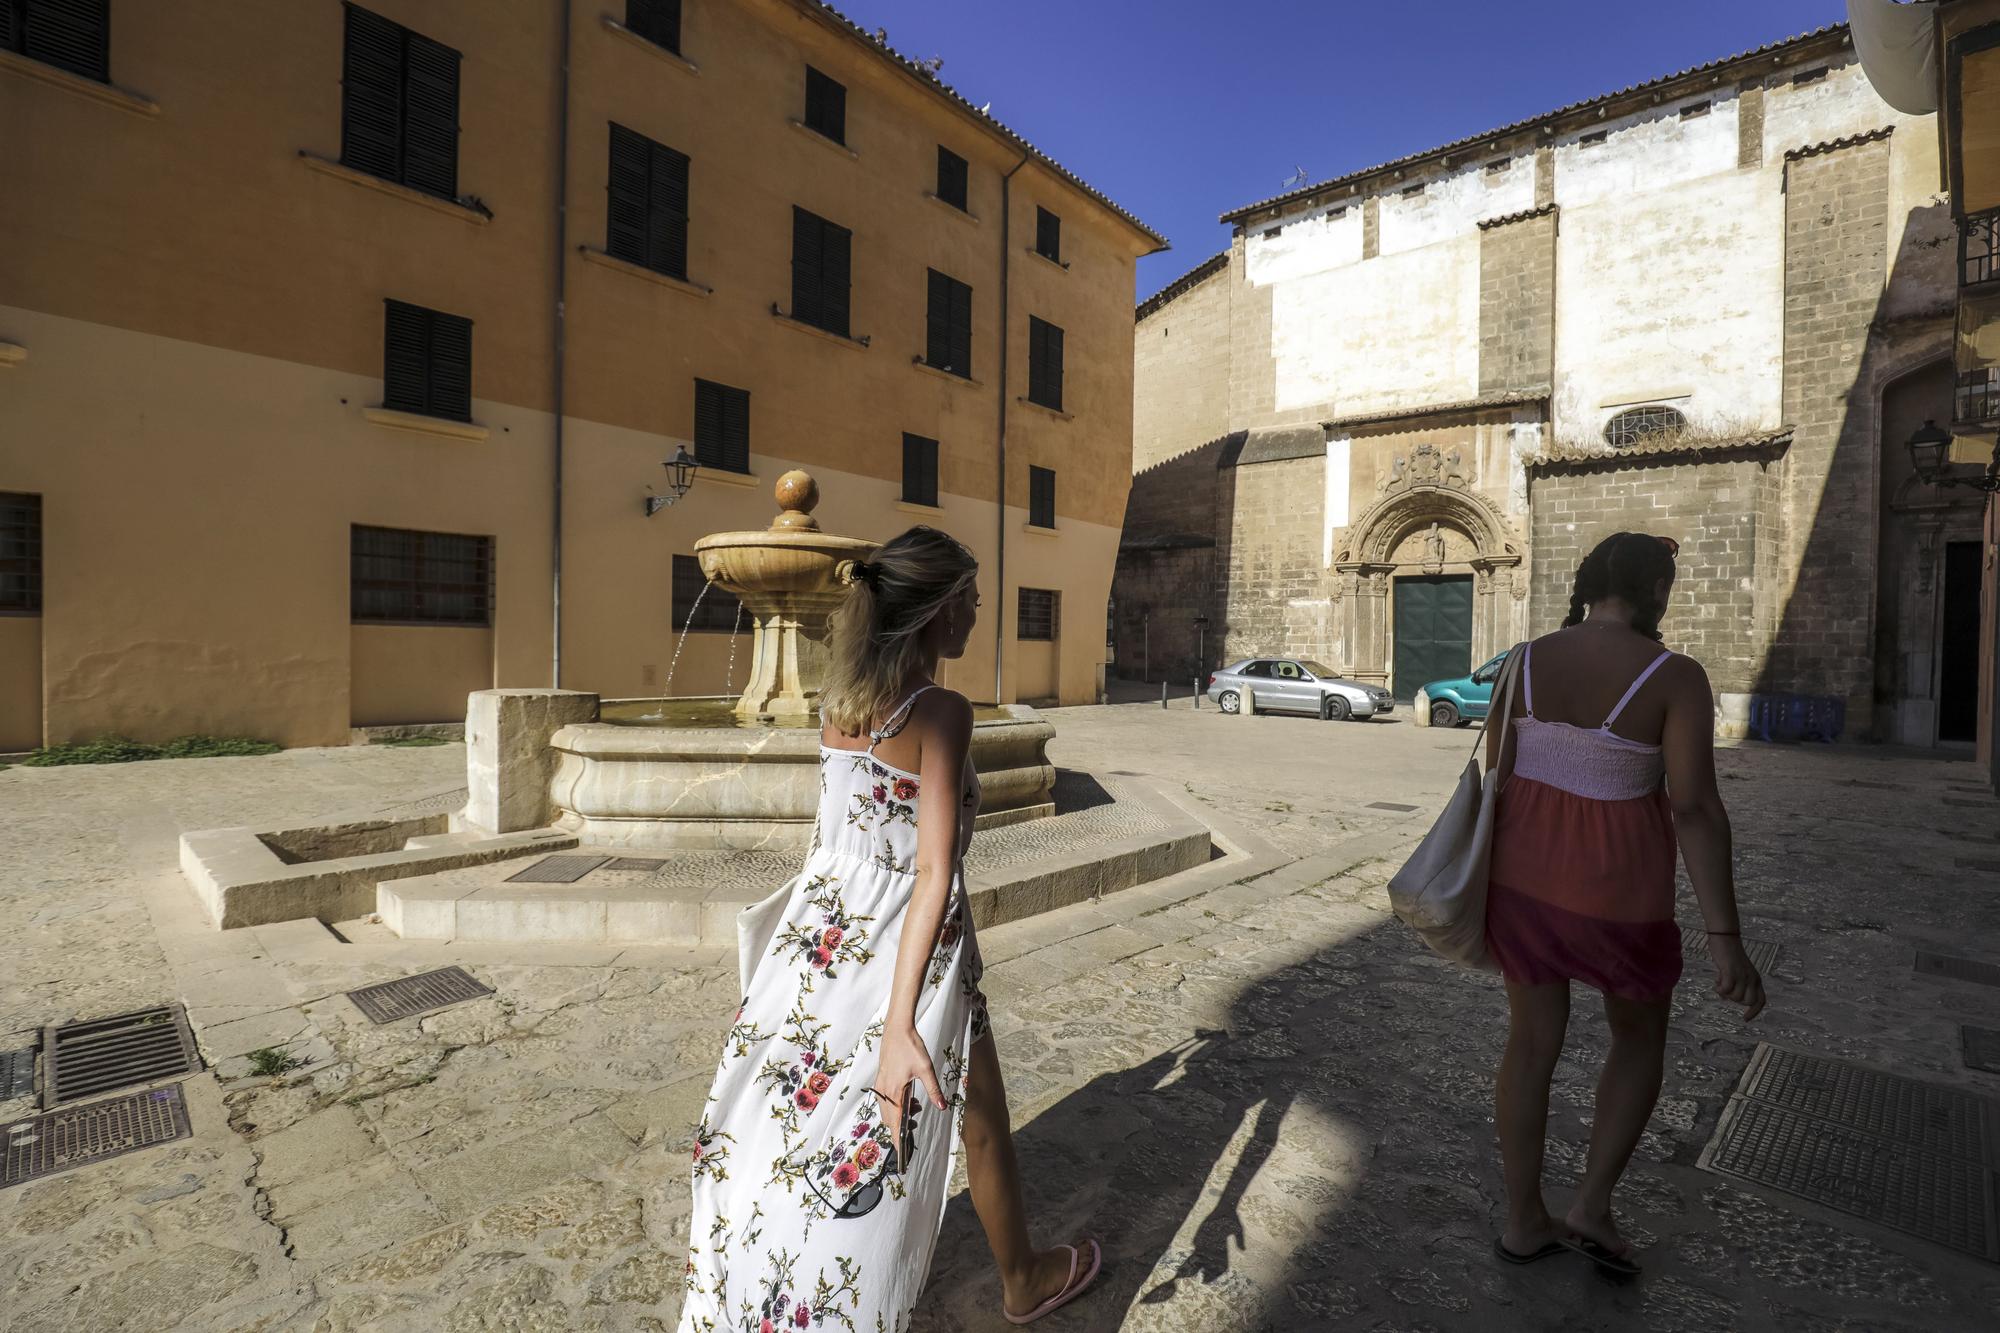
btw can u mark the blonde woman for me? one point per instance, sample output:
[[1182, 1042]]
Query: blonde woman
[[862, 1052]]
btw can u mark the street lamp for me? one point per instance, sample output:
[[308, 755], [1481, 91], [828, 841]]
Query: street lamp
[[1930, 447], [680, 473]]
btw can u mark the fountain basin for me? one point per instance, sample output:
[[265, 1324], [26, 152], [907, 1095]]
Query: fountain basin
[[679, 781]]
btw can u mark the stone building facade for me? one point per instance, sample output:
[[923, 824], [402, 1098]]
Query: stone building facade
[[1382, 429]]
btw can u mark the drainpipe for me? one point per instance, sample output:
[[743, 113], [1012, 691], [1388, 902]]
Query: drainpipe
[[1000, 556], [562, 265]]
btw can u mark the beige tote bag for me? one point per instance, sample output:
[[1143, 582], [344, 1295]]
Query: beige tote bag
[[1441, 890]]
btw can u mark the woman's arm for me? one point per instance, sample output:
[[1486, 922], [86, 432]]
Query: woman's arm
[[1702, 826], [944, 735]]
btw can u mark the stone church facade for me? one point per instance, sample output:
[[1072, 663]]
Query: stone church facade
[[1382, 429]]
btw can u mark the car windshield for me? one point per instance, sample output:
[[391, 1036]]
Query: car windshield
[[1322, 672]]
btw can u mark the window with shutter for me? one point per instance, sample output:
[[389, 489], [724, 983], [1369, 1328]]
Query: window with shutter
[[920, 470], [1038, 612], [427, 361], [648, 205], [1045, 364], [948, 325], [658, 21], [1048, 235], [402, 577], [821, 272], [20, 554], [722, 427], [73, 35], [826, 105], [1042, 497], [695, 610], [951, 181], [399, 105]]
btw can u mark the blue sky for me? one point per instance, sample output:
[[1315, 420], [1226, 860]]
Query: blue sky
[[1180, 109]]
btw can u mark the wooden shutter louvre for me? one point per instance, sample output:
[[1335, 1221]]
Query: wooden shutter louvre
[[951, 177], [10, 26], [70, 34], [1048, 234], [806, 264], [371, 101], [835, 277], [937, 322], [736, 430], [920, 469], [1052, 365], [658, 21], [406, 358], [1042, 497], [1045, 363], [708, 423], [627, 193], [430, 117], [451, 366], [826, 105], [667, 204], [961, 329]]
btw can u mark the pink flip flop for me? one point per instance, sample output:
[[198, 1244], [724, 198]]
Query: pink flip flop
[[1072, 1289]]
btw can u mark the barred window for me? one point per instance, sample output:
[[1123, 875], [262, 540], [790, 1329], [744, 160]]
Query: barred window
[[1040, 615], [695, 610], [401, 577], [20, 554], [1979, 249], [1635, 425]]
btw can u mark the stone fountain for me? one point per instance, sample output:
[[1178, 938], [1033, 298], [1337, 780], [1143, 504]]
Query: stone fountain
[[744, 772]]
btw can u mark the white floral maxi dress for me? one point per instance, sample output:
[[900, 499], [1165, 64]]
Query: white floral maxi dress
[[791, 1132]]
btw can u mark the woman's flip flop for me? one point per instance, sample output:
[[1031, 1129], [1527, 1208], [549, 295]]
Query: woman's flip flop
[[1606, 1259], [1073, 1288], [1510, 1256]]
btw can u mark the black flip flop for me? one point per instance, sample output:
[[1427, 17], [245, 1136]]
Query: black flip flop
[[1509, 1256], [1602, 1257]]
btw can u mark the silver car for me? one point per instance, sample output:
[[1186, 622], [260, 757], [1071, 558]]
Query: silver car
[[1297, 685]]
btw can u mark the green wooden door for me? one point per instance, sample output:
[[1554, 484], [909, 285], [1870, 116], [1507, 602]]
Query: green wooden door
[[1433, 631]]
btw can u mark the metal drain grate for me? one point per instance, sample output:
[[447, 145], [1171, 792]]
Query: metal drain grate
[[78, 1135], [1943, 1199], [558, 870], [1956, 969], [1916, 1157], [1763, 953], [17, 1074], [81, 1060], [635, 863], [1390, 805], [387, 1001], [1981, 1048]]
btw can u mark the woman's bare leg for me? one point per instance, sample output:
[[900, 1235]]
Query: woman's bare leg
[[1538, 1018], [1626, 1092], [1027, 1276]]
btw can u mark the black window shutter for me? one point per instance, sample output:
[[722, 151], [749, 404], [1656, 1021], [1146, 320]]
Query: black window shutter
[[658, 21], [937, 322], [371, 102], [430, 118], [1042, 497], [807, 260], [451, 366], [629, 195], [1044, 363], [406, 358], [951, 177], [736, 430], [920, 469], [826, 105], [836, 277], [1052, 360], [10, 26], [1048, 234], [961, 329], [721, 426], [666, 241], [70, 34]]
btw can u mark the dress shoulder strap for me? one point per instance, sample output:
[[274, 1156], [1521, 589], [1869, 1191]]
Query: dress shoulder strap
[[1644, 676], [1528, 676], [895, 721]]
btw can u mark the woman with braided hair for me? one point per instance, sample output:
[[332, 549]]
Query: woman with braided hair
[[1612, 768], [861, 1056]]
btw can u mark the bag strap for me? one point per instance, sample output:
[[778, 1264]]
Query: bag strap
[[1504, 688]]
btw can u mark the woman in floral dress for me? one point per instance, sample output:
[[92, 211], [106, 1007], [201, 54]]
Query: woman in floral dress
[[863, 1009]]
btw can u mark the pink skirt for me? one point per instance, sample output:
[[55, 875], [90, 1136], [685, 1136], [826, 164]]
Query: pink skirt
[[1583, 890]]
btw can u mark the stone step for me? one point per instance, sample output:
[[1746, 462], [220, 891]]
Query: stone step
[[1131, 837]]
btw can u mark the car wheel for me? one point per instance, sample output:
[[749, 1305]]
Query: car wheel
[[1444, 715], [1334, 708], [1228, 701]]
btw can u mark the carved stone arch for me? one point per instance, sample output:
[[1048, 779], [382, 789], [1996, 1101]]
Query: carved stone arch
[[1385, 523]]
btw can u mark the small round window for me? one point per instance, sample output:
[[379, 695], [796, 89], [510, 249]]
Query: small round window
[[1635, 425]]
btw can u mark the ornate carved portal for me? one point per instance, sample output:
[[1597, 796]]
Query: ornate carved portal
[[1427, 520]]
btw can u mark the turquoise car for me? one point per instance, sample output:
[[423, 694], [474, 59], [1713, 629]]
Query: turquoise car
[[1465, 699]]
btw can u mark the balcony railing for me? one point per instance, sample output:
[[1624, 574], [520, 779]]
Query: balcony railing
[[1979, 249], [1978, 398]]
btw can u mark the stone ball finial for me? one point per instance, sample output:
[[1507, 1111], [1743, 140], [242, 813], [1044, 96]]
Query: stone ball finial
[[797, 494]]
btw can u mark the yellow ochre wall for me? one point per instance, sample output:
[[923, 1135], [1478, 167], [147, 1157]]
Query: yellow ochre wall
[[200, 310]]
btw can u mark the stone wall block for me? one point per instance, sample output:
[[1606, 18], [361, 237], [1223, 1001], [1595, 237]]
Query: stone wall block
[[508, 762]]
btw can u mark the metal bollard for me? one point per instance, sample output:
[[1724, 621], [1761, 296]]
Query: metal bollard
[[1197, 694], [1163, 694]]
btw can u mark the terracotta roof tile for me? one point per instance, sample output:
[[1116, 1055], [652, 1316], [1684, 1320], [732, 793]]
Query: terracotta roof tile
[[1484, 402], [1660, 447]]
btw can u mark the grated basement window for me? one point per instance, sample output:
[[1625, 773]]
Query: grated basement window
[[658, 21], [73, 35], [647, 214], [920, 470], [20, 554], [399, 105], [1039, 615], [1635, 425], [400, 577], [719, 608]]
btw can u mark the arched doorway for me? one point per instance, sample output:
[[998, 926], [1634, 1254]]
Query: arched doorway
[[1432, 583]]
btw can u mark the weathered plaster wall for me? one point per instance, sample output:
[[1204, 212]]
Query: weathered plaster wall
[[1180, 382]]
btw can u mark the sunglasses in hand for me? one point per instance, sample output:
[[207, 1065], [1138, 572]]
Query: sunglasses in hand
[[864, 1198]]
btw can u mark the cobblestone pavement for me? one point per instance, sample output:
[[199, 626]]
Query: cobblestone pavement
[[1249, 1080]]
